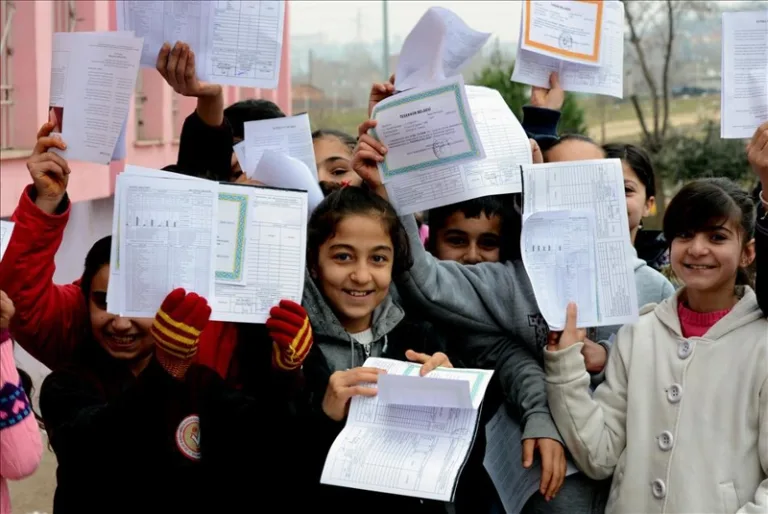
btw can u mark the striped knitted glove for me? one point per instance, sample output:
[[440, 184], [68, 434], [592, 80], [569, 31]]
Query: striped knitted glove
[[291, 333], [177, 328]]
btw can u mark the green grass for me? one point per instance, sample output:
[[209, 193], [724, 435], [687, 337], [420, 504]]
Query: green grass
[[624, 110]]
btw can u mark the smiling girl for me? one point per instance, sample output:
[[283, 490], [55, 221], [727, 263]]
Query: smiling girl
[[678, 431], [355, 246]]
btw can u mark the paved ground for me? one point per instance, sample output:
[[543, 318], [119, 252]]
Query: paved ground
[[35, 494]]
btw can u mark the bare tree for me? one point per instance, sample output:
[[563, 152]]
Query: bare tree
[[653, 23]]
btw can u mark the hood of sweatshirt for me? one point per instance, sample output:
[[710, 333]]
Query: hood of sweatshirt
[[745, 311], [331, 335]]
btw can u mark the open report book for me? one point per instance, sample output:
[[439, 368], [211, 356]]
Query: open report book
[[413, 438], [241, 247]]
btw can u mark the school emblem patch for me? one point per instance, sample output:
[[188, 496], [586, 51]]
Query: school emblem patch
[[188, 437]]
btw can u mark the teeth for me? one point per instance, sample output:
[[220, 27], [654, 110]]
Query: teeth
[[129, 339], [357, 293], [695, 266]]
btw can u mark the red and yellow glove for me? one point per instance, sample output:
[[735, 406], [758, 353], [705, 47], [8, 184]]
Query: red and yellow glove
[[291, 333], [177, 328]]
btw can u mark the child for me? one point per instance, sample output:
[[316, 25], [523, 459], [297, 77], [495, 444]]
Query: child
[[333, 156], [356, 245], [468, 232], [20, 446], [675, 437], [130, 403]]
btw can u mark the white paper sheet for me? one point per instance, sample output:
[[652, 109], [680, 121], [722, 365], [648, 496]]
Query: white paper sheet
[[607, 79], [236, 43], [273, 267], [6, 229], [566, 30], [426, 128], [596, 186], [280, 170], [423, 448], [558, 250], [159, 21], [504, 462], [167, 240], [93, 76], [244, 42], [506, 147], [744, 92], [290, 135], [438, 47]]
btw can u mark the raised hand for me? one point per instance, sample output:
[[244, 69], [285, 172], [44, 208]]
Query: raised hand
[[177, 327], [570, 334], [757, 154], [49, 171], [177, 66], [368, 153], [551, 98], [291, 333], [379, 92]]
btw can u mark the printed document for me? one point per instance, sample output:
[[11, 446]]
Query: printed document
[[438, 47], [240, 246], [504, 462], [565, 29], [291, 135], [744, 96], [263, 260], [426, 128], [236, 43], [607, 79], [6, 229], [506, 148], [576, 233], [93, 76], [418, 438]]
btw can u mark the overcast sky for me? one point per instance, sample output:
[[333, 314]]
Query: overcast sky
[[338, 20]]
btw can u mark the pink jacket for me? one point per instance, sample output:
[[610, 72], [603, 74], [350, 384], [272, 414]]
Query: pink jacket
[[20, 444]]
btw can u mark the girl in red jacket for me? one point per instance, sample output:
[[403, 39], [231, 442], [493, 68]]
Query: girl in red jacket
[[53, 320]]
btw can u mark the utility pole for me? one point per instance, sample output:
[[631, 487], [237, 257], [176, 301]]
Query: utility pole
[[385, 16]]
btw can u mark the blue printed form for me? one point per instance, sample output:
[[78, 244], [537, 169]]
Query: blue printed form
[[426, 128], [231, 237]]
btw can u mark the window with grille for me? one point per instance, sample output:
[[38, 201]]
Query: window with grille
[[7, 10], [64, 16], [140, 98]]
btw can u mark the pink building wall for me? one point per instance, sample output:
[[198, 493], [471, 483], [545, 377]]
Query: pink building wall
[[31, 36]]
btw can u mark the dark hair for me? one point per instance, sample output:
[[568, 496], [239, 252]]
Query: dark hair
[[349, 201], [488, 205], [709, 203], [253, 109], [98, 256], [549, 145], [345, 138], [637, 159]]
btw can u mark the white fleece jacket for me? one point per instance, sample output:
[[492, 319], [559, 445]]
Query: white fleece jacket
[[682, 424]]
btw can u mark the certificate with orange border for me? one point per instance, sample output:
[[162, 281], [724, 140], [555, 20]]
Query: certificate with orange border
[[569, 30]]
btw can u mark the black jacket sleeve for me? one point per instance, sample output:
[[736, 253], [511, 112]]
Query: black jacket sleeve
[[761, 247], [541, 124], [205, 151]]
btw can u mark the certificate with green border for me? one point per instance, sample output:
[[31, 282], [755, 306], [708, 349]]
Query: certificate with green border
[[235, 271], [456, 88], [474, 377]]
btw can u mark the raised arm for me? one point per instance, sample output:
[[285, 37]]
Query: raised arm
[[594, 428], [205, 148], [50, 319], [757, 153]]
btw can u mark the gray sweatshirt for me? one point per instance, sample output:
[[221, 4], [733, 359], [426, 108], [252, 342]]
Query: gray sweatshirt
[[494, 303]]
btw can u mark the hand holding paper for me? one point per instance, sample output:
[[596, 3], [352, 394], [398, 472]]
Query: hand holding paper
[[177, 66], [49, 171]]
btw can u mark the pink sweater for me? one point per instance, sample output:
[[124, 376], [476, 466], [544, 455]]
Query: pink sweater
[[696, 324], [20, 444]]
